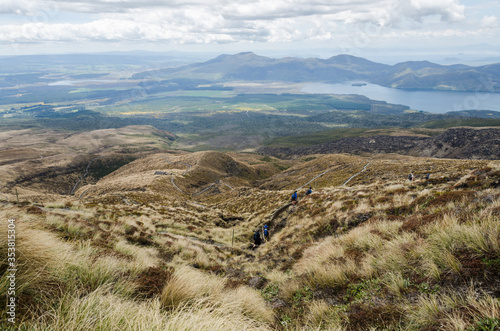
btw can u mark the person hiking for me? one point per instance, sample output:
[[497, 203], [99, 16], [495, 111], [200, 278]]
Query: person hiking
[[309, 191], [294, 197], [257, 240], [266, 232], [411, 177]]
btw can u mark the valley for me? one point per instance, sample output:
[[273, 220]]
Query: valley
[[131, 189]]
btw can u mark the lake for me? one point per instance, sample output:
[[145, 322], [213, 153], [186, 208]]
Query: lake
[[429, 101]]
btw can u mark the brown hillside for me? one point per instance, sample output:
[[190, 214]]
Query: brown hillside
[[165, 242], [48, 161]]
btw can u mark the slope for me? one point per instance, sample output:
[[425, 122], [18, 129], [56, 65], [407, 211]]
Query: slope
[[377, 252]]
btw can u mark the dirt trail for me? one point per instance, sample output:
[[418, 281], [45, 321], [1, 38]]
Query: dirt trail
[[280, 210], [172, 175], [347, 181], [321, 174]]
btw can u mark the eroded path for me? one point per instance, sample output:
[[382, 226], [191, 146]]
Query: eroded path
[[356, 174]]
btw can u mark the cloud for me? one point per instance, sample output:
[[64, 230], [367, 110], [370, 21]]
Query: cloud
[[19, 7], [219, 21], [489, 21], [449, 10]]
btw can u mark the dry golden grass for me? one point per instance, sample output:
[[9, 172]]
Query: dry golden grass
[[102, 311], [455, 311], [376, 254], [322, 316], [187, 285]]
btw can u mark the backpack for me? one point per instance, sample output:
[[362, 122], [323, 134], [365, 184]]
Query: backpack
[[256, 236]]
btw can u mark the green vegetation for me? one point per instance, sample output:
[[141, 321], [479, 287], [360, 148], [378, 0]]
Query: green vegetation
[[200, 110], [331, 135], [456, 122]]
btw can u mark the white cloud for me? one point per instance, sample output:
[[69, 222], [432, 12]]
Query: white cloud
[[449, 10], [223, 21], [489, 21]]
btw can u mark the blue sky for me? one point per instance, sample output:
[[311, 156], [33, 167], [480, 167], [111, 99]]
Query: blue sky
[[295, 27]]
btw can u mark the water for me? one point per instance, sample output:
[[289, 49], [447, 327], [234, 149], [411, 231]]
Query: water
[[429, 101]]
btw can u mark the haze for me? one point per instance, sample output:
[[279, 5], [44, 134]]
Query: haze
[[388, 31]]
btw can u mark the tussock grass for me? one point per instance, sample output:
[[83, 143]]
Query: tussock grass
[[326, 265], [247, 302], [189, 287], [322, 316], [144, 257], [481, 237], [452, 310], [395, 255], [376, 254], [188, 284], [396, 283], [37, 258], [102, 311], [332, 275]]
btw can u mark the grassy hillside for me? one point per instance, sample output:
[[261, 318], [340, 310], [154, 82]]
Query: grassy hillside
[[44, 161], [366, 250], [456, 122], [335, 134]]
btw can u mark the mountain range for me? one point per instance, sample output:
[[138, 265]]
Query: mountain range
[[423, 75]]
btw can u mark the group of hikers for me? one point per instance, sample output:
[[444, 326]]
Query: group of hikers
[[411, 176], [257, 237]]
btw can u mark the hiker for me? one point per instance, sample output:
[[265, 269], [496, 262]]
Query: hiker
[[266, 232], [427, 176], [411, 177], [294, 197], [257, 239], [309, 191]]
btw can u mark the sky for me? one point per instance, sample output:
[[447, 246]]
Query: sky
[[320, 28]]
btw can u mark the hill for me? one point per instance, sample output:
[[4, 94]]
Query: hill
[[460, 143], [44, 161], [183, 175], [165, 240], [409, 75]]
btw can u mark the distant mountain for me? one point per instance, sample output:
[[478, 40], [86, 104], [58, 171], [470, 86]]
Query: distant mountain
[[249, 66], [409, 75]]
